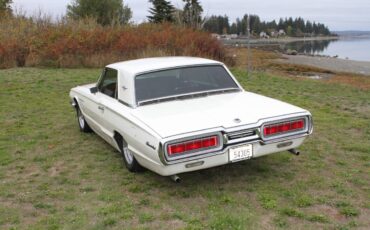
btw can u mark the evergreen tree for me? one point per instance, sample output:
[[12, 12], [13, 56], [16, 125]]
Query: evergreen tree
[[106, 12], [243, 24], [193, 13], [255, 24], [292, 27], [238, 26], [315, 29], [281, 24], [308, 27], [234, 28], [162, 11], [217, 24]]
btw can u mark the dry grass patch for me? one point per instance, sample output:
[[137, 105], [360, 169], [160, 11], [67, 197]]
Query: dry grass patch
[[358, 81]]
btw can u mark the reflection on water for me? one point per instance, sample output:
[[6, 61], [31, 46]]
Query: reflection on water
[[353, 48], [309, 47]]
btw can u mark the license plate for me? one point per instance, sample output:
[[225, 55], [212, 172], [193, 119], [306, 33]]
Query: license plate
[[243, 152]]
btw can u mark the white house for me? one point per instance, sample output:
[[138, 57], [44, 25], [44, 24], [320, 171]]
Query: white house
[[264, 35]]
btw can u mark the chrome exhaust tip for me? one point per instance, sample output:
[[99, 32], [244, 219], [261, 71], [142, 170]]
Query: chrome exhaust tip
[[294, 151], [176, 178]]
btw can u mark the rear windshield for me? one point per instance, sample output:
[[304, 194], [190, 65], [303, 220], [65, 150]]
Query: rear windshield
[[180, 81]]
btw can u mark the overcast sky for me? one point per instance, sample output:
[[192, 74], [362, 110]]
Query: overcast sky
[[337, 14]]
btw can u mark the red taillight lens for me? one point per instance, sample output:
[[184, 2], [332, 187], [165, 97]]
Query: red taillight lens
[[284, 127], [193, 145]]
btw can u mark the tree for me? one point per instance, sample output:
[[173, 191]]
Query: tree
[[193, 13], [217, 24], [178, 17], [289, 31], [5, 7], [281, 24], [255, 24], [309, 27], [162, 11], [233, 28], [106, 12], [296, 27]]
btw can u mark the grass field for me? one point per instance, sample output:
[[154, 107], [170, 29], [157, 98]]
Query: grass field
[[54, 177]]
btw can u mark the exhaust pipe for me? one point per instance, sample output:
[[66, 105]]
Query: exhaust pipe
[[176, 178], [294, 151]]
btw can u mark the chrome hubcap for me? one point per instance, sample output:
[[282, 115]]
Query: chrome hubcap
[[128, 155], [81, 119]]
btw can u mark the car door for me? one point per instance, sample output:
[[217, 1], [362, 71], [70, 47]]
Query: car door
[[107, 90]]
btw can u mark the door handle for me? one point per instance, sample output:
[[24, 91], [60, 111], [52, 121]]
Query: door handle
[[101, 108]]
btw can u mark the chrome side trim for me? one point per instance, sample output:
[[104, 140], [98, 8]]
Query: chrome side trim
[[124, 103], [150, 145]]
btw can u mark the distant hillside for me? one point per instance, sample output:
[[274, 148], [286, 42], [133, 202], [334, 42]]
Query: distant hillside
[[353, 33], [292, 27]]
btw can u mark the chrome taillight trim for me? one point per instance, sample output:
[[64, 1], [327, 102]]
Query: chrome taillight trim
[[306, 129], [192, 154], [257, 138]]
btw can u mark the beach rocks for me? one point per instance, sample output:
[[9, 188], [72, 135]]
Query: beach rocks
[[291, 52]]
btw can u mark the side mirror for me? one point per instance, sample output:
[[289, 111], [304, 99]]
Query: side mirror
[[94, 89]]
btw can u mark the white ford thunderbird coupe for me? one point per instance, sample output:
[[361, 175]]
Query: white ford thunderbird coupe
[[179, 114]]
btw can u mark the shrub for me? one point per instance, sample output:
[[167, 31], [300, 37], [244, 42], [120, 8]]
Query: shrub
[[85, 43]]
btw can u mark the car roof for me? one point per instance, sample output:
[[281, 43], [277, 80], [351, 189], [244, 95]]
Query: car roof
[[151, 64]]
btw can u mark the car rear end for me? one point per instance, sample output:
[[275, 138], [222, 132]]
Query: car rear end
[[214, 147]]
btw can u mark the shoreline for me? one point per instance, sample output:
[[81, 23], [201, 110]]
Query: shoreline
[[329, 63], [243, 41]]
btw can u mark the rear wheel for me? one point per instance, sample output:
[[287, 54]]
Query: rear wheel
[[128, 157], [84, 127]]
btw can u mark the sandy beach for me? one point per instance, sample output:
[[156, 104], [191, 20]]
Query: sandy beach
[[329, 63]]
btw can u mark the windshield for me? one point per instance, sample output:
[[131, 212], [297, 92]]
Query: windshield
[[182, 81]]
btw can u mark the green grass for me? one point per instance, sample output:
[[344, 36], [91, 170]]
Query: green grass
[[54, 177]]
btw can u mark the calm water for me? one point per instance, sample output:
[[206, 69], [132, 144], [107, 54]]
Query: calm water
[[351, 48]]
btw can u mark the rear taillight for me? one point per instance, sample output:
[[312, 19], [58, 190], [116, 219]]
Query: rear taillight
[[192, 146], [284, 127]]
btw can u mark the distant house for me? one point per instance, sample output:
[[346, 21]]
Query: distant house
[[217, 36], [264, 35], [282, 33], [274, 34], [225, 36]]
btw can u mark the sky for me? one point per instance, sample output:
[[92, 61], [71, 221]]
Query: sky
[[337, 14]]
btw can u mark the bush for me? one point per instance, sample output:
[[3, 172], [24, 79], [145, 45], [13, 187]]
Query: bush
[[85, 43]]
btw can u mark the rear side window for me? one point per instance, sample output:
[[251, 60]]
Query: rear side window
[[108, 84]]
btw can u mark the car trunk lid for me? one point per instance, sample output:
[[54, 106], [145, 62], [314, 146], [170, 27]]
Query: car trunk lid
[[224, 110]]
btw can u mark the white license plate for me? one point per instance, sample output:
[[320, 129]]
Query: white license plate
[[239, 153]]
